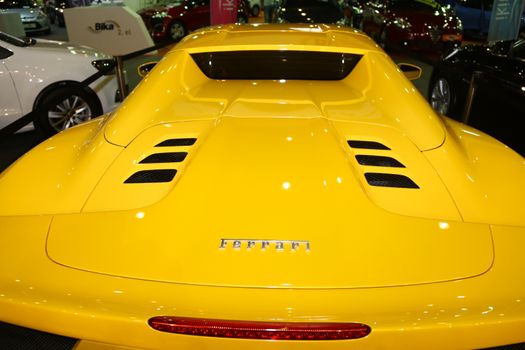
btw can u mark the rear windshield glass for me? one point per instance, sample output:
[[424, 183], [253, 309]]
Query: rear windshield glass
[[297, 65]]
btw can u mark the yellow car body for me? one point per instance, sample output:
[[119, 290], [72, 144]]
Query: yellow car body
[[282, 201]]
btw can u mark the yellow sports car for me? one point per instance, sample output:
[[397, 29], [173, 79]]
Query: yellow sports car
[[266, 187]]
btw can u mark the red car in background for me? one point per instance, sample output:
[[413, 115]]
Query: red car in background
[[416, 24], [175, 20]]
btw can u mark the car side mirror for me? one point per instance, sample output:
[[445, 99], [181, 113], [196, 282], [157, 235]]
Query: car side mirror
[[411, 71], [5, 53], [145, 68]]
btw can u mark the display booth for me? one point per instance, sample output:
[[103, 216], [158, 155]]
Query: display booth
[[11, 23], [116, 30]]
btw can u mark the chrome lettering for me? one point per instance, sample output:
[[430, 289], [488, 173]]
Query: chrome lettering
[[263, 244]]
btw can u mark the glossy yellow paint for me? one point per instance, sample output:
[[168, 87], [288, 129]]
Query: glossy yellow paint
[[469, 313], [178, 90], [484, 177], [273, 179], [85, 255], [58, 175]]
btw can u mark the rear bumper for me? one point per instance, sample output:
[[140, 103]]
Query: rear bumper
[[36, 26], [474, 313]]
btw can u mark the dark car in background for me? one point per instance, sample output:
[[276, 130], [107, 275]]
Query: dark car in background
[[415, 24], [311, 11], [475, 16], [498, 106], [175, 20]]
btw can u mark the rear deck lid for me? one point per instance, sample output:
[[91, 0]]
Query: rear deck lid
[[276, 203]]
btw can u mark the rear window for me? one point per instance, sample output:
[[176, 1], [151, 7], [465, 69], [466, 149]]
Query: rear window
[[295, 65]]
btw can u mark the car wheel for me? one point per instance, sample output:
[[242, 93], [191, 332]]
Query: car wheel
[[176, 31], [242, 20], [255, 10], [441, 95], [65, 106]]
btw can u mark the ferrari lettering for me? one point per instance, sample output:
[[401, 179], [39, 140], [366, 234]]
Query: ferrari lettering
[[263, 244]]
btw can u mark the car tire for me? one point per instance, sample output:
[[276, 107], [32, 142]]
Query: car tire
[[176, 31], [256, 10], [242, 20], [55, 113], [442, 94]]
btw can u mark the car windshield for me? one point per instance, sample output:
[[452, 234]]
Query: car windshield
[[309, 3], [13, 40], [17, 4]]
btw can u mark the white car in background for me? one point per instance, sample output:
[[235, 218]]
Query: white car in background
[[33, 18], [34, 72]]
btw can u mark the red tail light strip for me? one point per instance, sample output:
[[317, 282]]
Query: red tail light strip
[[259, 330]]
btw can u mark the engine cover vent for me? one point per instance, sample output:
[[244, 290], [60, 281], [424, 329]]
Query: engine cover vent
[[367, 144], [390, 180], [378, 161], [151, 176], [169, 157], [177, 142]]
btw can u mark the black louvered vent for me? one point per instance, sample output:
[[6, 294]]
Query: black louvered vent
[[381, 179], [151, 176], [378, 161], [19, 338], [171, 157], [390, 180], [367, 144], [161, 175], [177, 142]]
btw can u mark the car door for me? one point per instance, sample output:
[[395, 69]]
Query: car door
[[198, 14], [10, 108], [499, 104]]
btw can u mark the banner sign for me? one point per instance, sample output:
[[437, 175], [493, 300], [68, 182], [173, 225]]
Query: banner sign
[[505, 20], [223, 11]]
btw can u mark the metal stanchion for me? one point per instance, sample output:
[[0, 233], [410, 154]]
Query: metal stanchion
[[121, 79], [476, 75]]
